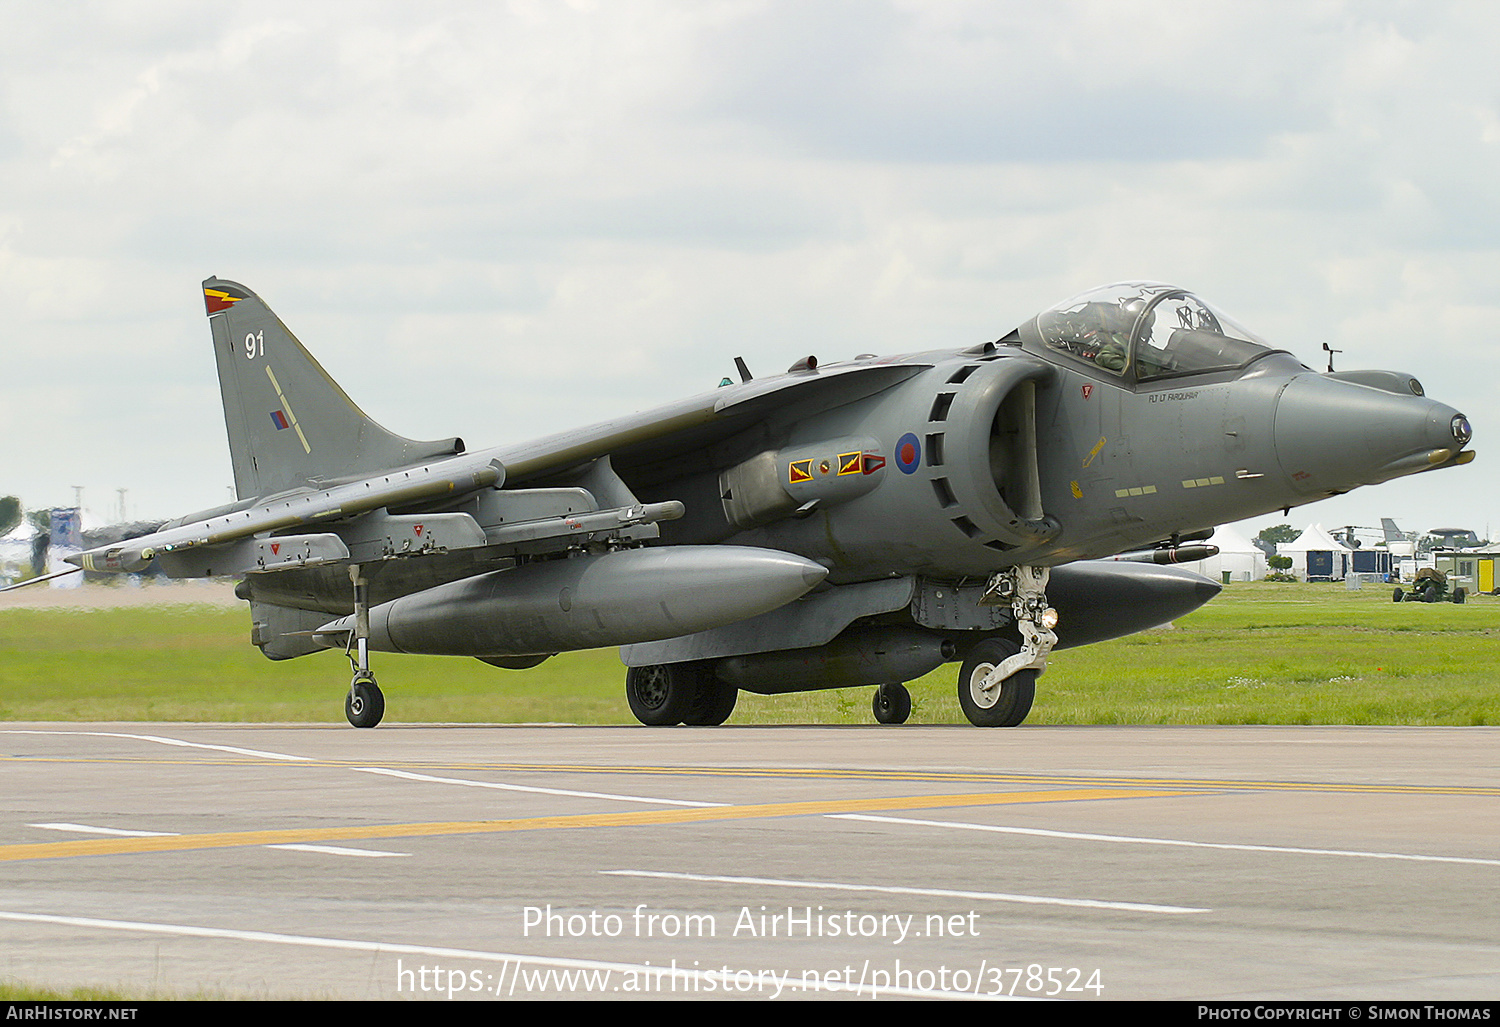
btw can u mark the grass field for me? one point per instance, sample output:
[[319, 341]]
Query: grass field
[[1261, 653]]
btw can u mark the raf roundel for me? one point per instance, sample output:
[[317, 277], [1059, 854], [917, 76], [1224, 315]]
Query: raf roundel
[[908, 453]]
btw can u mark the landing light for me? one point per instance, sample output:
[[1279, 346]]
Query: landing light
[[1049, 618]]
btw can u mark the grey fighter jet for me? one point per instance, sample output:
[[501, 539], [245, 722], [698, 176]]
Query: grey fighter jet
[[856, 523]]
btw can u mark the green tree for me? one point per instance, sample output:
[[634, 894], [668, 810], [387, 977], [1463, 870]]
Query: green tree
[[1279, 533], [10, 514]]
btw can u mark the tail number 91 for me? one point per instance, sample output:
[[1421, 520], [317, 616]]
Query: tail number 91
[[255, 345]]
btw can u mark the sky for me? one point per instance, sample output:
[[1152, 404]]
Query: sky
[[499, 220]]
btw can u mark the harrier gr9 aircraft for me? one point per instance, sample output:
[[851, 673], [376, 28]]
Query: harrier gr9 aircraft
[[857, 523]]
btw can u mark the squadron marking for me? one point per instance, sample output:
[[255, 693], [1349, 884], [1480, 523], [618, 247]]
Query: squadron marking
[[288, 408]]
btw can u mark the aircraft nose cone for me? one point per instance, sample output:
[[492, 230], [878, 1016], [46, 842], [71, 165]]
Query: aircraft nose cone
[[1332, 435]]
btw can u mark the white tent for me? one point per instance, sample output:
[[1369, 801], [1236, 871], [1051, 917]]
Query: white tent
[[1316, 555], [1238, 556]]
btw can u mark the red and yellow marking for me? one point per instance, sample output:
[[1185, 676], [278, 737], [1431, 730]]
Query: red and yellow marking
[[217, 299]]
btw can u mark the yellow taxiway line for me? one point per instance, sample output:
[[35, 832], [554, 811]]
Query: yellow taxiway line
[[809, 774], [634, 818]]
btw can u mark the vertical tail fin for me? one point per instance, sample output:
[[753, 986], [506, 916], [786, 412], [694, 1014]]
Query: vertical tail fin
[[289, 423]]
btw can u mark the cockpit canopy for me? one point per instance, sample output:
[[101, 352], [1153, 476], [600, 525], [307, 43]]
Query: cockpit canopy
[[1145, 331]]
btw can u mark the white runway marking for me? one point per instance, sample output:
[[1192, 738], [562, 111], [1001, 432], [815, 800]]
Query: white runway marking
[[328, 850], [166, 741], [1034, 900], [336, 850], [376, 770], [1128, 839], [386, 772], [86, 829], [408, 775], [511, 962]]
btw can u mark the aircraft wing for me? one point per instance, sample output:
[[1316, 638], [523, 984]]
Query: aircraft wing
[[446, 478], [313, 511], [701, 421]]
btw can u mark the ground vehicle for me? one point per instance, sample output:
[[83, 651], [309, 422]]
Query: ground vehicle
[[1430, 586]]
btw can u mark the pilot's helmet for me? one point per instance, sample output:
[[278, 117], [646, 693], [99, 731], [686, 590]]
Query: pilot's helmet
[[1130, 310], [1112, 322]]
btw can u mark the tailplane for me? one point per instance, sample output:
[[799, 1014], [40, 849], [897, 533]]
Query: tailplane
[[289, 423]]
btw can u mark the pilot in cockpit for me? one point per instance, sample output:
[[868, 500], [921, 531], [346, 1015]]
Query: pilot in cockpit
[[1097, 331]]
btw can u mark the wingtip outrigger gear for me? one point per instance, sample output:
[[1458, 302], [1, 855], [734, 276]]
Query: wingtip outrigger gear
[[365, 705]]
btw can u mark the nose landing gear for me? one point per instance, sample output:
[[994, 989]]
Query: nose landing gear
[[998, 681]]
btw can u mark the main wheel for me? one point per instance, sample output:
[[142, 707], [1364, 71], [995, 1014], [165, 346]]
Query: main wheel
[[1397, 597], [365, 704], [1460, 594], [1002, 706], [663, 694], [891, 703], [714, 703]]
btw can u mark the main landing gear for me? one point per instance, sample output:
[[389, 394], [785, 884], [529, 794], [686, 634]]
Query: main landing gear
[[996, 685], [679, 693], [891, 703], [365, 704]]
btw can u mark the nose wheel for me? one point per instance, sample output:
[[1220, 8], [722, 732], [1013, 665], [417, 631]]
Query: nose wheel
[[987, 698]]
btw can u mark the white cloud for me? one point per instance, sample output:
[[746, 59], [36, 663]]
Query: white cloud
[[502, 220]]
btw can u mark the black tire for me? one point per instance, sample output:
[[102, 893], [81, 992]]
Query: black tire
[[365, 703], [1431, 594], [1397, 597], [662, 694], [1460, 594], [891, 703], [1010, 706], [714, 702]]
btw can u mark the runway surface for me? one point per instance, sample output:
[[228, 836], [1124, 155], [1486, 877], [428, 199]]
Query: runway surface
[[429, 862]]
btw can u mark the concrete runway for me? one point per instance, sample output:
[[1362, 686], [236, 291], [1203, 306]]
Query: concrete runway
[[765, 862]]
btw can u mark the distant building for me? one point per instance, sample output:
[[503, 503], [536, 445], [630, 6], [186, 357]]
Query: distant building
[[1473, 570]]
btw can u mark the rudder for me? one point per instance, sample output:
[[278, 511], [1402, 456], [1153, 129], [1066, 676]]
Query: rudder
[[290, 425]]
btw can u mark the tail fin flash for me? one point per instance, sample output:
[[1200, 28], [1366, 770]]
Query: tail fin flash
[[289, 423]]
